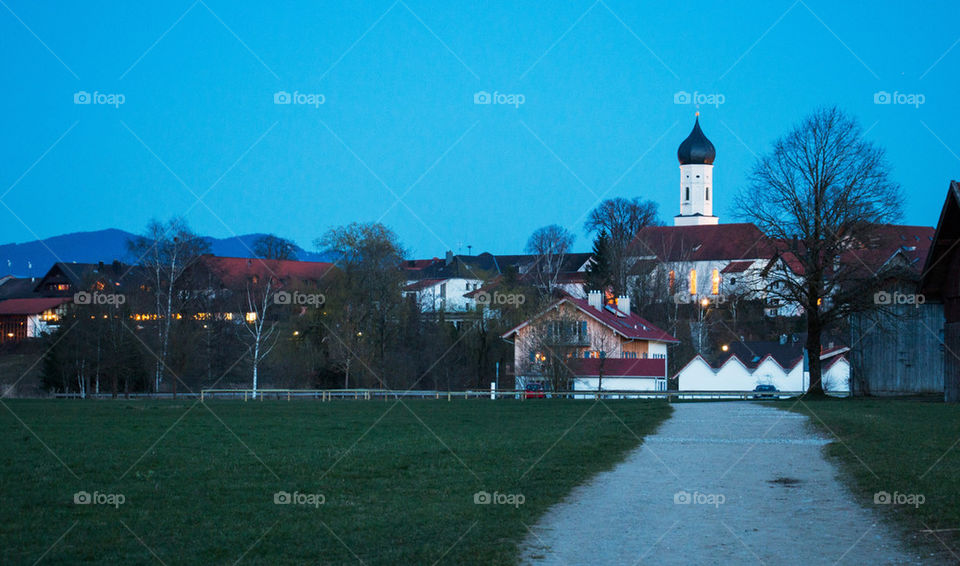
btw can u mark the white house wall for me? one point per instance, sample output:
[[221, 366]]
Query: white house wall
[[734, 376]]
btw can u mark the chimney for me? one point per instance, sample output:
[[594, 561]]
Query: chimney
[[623, 304], [595, 298], [449, 258]]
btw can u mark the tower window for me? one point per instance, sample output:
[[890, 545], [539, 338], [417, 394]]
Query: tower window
[[715, 282], [708, 193], [698, 176], [693, 281], [688, 193]]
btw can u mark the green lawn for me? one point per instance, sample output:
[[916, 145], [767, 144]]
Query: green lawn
[[198, 482], [906, 447]]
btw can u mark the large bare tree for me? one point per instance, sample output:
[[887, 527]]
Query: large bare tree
[[165, 252], [550, 244], [620, 219], [821, 195]]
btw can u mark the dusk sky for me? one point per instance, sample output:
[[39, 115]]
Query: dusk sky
[[398, 137]]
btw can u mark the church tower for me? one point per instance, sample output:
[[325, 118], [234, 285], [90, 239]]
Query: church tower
[[696, 155]]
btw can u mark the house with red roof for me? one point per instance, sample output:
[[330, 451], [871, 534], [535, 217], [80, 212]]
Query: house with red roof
[[590, 344]]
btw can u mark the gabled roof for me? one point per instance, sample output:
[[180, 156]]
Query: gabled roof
[[937, 264], [628, 325], [702, 243], [30, 306], [236, 271]]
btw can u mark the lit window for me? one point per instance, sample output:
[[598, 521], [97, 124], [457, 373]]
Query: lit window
[[715, 282], [693, 281], [251, 317], [672, 278]]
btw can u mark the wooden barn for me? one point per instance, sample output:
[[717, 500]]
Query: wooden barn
[[941, 282]]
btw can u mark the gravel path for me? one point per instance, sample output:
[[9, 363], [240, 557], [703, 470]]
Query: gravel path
[[757, 490]]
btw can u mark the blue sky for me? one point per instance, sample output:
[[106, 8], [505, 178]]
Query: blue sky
[[398, 137]]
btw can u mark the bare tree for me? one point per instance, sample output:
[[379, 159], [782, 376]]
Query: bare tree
[[274, 247], [166, 252], [821, 195], [550, 244], [260, 296], [621, 219]]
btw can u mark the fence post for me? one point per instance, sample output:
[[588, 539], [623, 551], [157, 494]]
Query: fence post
[[288, 394], [244, 396], [201, 395]]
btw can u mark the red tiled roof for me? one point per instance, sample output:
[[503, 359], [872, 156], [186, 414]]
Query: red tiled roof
[[737, 267], [30, 306], [619, 367], [702, 243], [630, 325], [234, 271]]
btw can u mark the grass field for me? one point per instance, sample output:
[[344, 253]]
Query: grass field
[[900, 447], [378, 482]]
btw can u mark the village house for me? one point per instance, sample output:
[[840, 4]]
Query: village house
[[590, 344]]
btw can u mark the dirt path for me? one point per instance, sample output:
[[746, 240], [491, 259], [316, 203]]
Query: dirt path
[[752, 487]]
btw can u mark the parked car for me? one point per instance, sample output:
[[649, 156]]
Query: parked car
[[765, 392], [534, 391]]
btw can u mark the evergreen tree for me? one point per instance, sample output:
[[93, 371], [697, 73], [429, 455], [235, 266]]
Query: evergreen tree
[[599, 274]]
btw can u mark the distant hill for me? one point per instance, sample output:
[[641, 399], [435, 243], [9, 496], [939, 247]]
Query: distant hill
[[33, 259]]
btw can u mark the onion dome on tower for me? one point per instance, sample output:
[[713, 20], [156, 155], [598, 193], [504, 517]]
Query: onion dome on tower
[[696, 149]]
